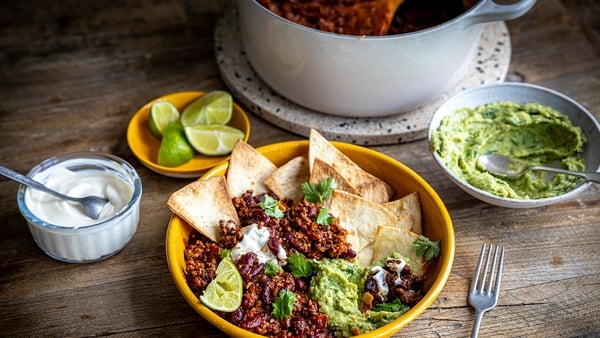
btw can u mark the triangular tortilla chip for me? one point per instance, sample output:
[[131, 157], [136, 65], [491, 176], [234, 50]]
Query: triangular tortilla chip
[[322, 170], [319, 147], [202, 204], [368, 185], [360, 217], [411, 205], [405, 221], [248, 169], [365, 257], [285, 182], [393, 239]]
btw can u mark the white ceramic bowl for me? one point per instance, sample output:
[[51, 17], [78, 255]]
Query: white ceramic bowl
[[522, 93], [75, 239], [364, 76]]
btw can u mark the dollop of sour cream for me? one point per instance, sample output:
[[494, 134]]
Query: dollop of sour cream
[[77, 183], [379, 277], [255, 240]]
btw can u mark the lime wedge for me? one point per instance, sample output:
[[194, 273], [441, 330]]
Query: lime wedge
[[174, 148], [161, 114], [225, 292], [213, 139], [215, 107]]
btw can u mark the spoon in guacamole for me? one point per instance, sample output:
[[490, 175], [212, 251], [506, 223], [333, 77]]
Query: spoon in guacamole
[[511, 167]]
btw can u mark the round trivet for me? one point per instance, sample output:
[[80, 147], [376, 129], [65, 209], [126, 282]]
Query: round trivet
[[489, 65]]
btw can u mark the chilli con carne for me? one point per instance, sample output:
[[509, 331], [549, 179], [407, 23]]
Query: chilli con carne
[[364, 17], [297, 233]]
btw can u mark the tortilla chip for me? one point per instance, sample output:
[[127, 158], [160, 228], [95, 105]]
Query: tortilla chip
[[360, 217], [285, 182], [202, 204], [248, 169], [405, 221], [366, 184], [408, 205], [364, 258], [393, 239], [322, 170], [319, 147]]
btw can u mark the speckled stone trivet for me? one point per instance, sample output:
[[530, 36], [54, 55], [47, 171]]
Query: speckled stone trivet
[[489, 65]]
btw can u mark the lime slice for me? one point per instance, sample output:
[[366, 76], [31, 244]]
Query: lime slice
[[161, 114], [213, 139], [215, 107], [174, 148], [225, 292]]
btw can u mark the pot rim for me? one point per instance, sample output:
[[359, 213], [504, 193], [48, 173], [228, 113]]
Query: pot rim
[[470, 16]]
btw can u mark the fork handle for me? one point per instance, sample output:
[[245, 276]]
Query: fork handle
[[478, 317]]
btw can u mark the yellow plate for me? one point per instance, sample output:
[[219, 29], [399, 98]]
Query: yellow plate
[[437, 225], [145, 146]]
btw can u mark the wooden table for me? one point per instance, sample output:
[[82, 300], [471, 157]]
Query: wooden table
[[72, 74]]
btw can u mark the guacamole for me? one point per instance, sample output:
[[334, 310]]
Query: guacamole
[[338, 287], [530, 131]]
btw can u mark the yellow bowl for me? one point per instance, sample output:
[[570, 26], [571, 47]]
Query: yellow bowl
[[145, 146], [436, 225]]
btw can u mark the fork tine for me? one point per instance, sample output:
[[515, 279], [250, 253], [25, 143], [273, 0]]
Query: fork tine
[[478, 270], [485, 272], [489, 287], [498, 272]]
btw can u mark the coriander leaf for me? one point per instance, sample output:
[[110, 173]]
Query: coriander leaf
[[326, 187], [393, 306], [224, 253], [284, 304], [311, 192], [271, 207], [317, 193], [299, 265], [272, 268], [323, 217], [426, 248]]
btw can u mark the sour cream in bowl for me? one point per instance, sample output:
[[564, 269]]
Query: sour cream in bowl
[[61, 228]]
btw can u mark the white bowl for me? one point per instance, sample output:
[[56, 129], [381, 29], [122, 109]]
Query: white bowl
[[522, 93], [60, 228]]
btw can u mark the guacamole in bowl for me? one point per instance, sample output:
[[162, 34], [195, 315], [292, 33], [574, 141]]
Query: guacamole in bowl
[[523, 121]]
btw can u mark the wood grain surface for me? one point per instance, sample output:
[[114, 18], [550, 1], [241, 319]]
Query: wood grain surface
[[72, 73]]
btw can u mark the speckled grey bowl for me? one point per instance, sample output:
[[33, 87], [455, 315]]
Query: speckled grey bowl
[[523, 93]]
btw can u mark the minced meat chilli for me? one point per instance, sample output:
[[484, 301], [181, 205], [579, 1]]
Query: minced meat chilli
[[296, 232]]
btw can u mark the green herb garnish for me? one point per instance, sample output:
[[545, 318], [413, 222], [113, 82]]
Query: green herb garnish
[[271, 207], [323, 217], [393, 306], [272, 268], [224, 253], [426, 248], [284, 304], [317, 193], [300, 266]]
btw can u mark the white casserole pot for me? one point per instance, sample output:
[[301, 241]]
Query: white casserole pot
[[364, 76]]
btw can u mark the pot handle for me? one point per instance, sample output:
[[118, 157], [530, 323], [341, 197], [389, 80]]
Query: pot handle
[[488, 10]]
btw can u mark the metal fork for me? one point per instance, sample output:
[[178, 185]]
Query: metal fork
[[484, 297]]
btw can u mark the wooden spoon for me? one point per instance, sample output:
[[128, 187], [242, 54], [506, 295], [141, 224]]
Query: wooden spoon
[[369, 17]]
